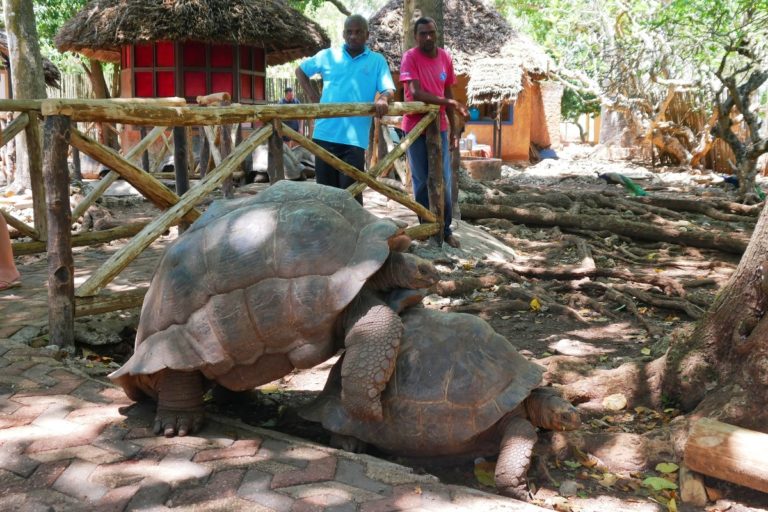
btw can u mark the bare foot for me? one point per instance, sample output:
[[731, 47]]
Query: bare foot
[[453, 241]]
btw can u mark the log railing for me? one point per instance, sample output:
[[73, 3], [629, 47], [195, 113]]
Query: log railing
[[61, 118]]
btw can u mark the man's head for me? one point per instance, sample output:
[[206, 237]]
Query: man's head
[[288, 93], [355, 33], [425, 34]]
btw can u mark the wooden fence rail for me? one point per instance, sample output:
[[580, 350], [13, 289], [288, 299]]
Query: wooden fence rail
[[62, 116]]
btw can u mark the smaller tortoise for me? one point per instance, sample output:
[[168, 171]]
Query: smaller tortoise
[[260, 286], [459, 389]]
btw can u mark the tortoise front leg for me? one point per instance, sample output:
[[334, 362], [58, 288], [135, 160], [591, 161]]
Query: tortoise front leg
[[517, 442], [373, 333], [179, 403]]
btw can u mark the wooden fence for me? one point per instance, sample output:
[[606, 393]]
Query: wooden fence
[[77, 86], [60, 131]]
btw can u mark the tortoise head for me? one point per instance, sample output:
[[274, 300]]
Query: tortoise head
[[411, 271], [546, 408]]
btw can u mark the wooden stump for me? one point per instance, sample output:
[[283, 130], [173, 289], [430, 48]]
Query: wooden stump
[[61, 268]]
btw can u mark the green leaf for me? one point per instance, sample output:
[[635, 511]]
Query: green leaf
[[667, 467], [645, 351], [659, 484], [572, 464]]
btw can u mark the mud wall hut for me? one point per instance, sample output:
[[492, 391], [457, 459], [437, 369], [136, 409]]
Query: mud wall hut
[[500, 72]]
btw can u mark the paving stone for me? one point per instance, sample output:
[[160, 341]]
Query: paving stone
[[116, 499], [65, 434], [354, 474], [44, 476], [256, 488], [240, 448], [87, 453], [316, 471], [151, 493], [174, 469], [12, 459], [280, 451], [92, 392], [223, 484], [39, 373], [75, 481], [111, 439]]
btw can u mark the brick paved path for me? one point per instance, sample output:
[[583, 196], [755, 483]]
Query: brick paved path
[[69, 442]]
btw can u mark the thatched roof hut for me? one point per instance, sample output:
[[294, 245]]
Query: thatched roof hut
[[484, 46], [102, 27], [50, 71]]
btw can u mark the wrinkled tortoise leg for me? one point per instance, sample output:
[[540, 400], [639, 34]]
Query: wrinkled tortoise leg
[[373, 333], [179, 403], [518, 439]]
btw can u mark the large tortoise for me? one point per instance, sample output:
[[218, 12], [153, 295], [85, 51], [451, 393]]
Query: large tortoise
[[258, 287], [459, 389]]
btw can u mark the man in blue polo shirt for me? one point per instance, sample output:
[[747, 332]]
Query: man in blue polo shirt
[[351, 74]]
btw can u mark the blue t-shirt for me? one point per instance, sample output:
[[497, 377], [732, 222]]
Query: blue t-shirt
[[348, 80], [293, 123]]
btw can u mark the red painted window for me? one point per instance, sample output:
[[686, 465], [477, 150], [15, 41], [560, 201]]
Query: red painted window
[[194, 84], [246, 57], [166, 55], [143, 84], [166, 84], [259, 92], [258, 60], [143, 54], [194, 55], [222, 82], [222, 56], [246, 87]]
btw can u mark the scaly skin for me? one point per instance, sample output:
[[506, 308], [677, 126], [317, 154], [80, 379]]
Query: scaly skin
[[179, 403], [373, 333], [515, 457]]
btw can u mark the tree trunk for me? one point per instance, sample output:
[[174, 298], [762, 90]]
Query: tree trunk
[[413, 10], [27, 80], [729, 346], [95, 72]]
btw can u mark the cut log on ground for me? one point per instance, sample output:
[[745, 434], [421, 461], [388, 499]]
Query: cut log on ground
[[729, 453]]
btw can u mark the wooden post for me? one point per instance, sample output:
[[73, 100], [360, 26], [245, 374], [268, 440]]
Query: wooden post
[[228, 185], [34, 140], [728, 452], [61, 268], [435, 179], [180, 160], [14, 128], [145, 154], [76, 164], [205, 152], [275, 165]]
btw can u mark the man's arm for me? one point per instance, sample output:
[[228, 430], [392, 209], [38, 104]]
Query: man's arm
[[382, 103], [309, 89], [451, 110], [420, 94]]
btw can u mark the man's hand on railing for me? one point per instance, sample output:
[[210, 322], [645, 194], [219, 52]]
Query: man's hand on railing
[[382, 105]]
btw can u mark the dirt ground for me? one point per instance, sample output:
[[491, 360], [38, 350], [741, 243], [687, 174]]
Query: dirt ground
[[580, 302]]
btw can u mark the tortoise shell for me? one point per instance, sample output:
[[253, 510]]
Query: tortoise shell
[[254, 287], [455, 378]]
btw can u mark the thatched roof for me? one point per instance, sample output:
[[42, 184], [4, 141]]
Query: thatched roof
[[484, 46], [50, 71], [103, 26]]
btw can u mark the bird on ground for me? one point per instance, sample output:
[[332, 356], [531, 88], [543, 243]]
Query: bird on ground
[[616, 178]]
